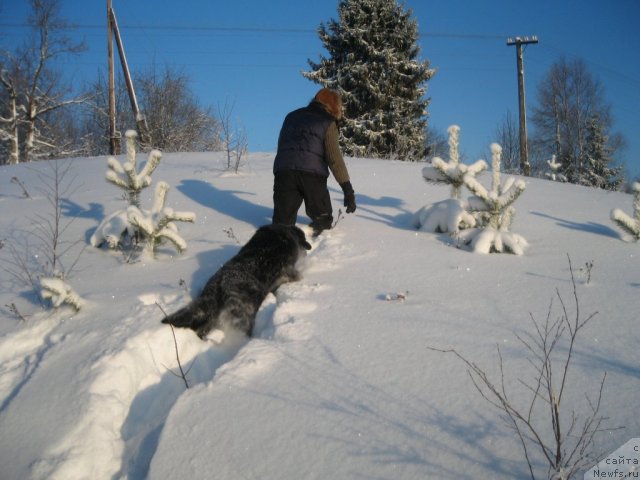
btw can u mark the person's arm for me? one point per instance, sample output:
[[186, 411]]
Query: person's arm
[[334, 155], [338, 167]]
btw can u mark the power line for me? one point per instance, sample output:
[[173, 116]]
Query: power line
[[240, 29], [286, 30]]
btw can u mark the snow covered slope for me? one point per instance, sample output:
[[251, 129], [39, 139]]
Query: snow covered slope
[[338, 381]]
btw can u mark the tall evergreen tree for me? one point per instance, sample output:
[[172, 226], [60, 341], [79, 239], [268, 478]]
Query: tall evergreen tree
[[600, 171], [373, 62]]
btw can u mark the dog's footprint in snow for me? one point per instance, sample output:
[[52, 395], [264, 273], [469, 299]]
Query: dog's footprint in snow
[[264, 318], [155, 298], [290, 318], [282, 316]]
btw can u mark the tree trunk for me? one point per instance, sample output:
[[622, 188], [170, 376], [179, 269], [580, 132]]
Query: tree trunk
[[9, 129]]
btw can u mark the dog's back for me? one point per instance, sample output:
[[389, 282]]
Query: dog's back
[[231, 298]]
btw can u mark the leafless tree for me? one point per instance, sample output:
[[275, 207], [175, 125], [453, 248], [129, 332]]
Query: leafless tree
[[94, 123], [95, 115], [176, 121], [568, 98], [546, 423], [33, 88], [9, 119], [232, 137], [508, 137], [44, 249], [436, 143], [58, 184]]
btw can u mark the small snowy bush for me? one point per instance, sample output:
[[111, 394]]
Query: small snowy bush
[[554, 174], [624, 221], [59, 292], [159, 225], [132, 227], [149, 228], [446, 216], [450, 215], [126, 176], [494, 213], [452, 172]]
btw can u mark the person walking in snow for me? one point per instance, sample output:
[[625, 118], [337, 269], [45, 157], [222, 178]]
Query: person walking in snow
[[307, 150]]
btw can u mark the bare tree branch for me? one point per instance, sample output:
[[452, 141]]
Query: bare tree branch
[[568, 447], [36, 91], [183, 374]]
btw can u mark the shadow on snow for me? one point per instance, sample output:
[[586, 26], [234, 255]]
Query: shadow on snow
[[589, 227], [226, 202]]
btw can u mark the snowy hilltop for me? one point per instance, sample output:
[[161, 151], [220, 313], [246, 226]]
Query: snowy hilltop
[[341, 379]]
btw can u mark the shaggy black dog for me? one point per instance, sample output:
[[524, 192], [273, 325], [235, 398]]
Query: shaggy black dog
[[232, 297]]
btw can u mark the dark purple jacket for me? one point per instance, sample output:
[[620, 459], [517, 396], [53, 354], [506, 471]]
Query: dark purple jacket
[[301, 141]]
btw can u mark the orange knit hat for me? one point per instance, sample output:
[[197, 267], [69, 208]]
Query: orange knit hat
[[331, 101]]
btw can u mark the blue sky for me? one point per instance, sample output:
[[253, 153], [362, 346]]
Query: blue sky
[[251, 52]]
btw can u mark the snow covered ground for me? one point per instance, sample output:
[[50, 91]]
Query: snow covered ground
[[338, 381]]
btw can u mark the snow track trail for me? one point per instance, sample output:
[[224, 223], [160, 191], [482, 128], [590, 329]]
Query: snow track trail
[[20, 355], [133, 389]]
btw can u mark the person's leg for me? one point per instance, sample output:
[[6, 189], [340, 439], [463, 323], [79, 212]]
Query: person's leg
[[287, 198], [317, 202]]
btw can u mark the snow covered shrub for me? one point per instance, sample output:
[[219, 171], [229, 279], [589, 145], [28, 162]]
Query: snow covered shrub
[[555, 174], [493, 212], [59, 292], [126, 176], [624, 221], [159, 225], [42, 254], [452, 172], [445, 216], [449, 215], [134, 226]]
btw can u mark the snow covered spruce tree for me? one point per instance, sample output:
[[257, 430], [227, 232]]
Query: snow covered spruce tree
[[373, 62], [452, 172], [554, 173], [126, 176], [449, 215], [494, 212], [158, 224], [628, 224], [600, 171], [59, 292], [133, 227]]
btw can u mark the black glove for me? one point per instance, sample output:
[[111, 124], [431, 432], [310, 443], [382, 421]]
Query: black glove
[[349, 196]]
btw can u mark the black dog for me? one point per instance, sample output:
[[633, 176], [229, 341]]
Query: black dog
[[232, 297]]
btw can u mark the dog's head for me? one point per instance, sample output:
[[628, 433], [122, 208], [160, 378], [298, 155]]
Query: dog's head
[[302, 238], [278, 232]]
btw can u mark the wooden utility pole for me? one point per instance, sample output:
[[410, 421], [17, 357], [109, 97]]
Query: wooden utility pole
[[141, 121], [525, 166], [114, 143]]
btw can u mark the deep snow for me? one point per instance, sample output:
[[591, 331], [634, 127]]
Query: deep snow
[[338, 381]]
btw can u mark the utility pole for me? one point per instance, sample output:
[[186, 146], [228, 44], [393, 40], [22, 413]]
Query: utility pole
[[525, 166], [114, 144], [141, 121]]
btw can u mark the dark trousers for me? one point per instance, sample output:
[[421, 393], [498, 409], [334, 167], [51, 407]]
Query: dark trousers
[[291, 188]]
